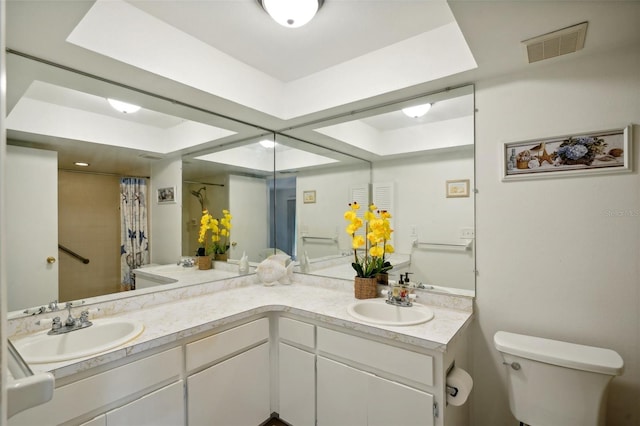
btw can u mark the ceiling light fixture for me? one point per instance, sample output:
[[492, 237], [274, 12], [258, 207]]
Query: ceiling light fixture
[[123, 107], [291, 13], [416, 111], [81, 164], [267, 143]]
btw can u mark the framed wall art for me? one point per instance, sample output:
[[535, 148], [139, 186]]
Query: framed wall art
[[458, 188], [166, 195], [607, 151], [309, 197]]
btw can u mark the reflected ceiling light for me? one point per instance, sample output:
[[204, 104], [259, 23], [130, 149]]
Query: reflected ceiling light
[[267, 143], [123, 107], [291, 13], [416, 111], [81, 164]]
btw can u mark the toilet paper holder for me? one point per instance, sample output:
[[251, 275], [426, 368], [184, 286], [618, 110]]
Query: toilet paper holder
[[452, 390]]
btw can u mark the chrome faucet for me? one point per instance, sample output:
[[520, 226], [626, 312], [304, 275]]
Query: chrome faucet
[[399, 295], [71, 323]]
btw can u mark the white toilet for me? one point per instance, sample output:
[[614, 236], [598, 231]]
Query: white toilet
[[553, 383]]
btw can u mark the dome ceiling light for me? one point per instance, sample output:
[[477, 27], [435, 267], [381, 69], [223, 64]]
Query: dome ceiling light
[[291, 13], [123, 107], [267, 143], [416, 111]]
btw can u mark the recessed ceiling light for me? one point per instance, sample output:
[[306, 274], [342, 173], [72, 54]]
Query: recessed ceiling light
[[416, 111], [267, 143], [81, 164], [123, 107]]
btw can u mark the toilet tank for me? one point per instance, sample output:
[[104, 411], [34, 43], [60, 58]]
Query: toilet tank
[[557, 383]]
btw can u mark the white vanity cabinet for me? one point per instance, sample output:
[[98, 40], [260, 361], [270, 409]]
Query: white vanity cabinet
[[296, 372], [123, 392], [352, 389], [155, 409], [352, 397], [228, 381]]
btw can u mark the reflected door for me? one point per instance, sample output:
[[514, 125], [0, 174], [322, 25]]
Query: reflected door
[[31, 227]]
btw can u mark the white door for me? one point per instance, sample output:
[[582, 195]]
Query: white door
[[31, 222], [342, 395], [297, 374], [234, 392]]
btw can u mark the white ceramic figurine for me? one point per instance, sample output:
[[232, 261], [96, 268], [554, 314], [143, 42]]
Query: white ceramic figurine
[[274, 270]]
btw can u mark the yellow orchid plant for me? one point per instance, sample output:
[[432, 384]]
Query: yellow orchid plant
[[220, 228], [374, 242]]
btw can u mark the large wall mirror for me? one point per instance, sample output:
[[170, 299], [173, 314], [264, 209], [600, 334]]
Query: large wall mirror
[[422, 171], [287, 190]]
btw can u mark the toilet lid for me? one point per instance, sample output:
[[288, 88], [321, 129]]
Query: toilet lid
[[564, 354]]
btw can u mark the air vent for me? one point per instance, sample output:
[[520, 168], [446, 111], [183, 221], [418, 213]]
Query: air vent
[[561, 42]]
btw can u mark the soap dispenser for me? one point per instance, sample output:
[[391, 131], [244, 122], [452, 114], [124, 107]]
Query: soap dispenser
[[407, 282], [244, 264]]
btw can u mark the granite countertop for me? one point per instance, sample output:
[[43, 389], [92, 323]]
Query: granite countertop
[[173, 315]]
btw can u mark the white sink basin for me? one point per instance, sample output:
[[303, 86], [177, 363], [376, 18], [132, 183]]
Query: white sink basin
[[377, 311], [103, 335]]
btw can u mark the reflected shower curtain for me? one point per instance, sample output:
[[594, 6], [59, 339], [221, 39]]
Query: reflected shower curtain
[[134, 248]]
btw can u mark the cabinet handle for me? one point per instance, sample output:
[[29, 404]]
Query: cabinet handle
[[51, 260]]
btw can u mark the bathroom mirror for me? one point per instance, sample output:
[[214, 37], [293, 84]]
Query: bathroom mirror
[[353, 167], [52, 109], [423, 173]]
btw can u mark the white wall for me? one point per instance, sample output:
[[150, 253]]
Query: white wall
[[166, 219], [248, 207], [325, 217], [552, 259]]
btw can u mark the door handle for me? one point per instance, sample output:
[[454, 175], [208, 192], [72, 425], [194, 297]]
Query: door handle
[[51, 260]]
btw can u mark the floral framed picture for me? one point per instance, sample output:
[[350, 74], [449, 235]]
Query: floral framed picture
[[607, 151], [458, 188], [166, 195]]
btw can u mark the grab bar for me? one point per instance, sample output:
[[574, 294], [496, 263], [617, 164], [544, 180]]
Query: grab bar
[[73, 254], [308, 237], [465, 245]]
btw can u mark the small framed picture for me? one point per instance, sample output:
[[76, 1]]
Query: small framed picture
[[309, 197], [167, 195], [458, 188]]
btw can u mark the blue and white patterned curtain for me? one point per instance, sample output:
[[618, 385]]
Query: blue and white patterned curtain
[[134, 248]]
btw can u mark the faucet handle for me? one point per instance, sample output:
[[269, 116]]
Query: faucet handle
[[56, 323]]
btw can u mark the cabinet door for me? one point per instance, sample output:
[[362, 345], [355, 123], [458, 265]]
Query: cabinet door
[[234, 392], [342, 395], [164, 407], [297, 386], [350, 397], [394, 404]]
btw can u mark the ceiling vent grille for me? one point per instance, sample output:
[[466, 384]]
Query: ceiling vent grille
[[561, 42]]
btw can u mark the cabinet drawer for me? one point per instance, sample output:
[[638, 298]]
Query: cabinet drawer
[[296, 332], [399, 362], [221, 345], [97, 391]]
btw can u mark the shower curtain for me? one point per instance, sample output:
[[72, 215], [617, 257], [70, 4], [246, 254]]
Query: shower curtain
[[134, 248]]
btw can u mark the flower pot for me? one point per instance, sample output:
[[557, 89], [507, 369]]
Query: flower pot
[[382, 278], [365, 288], [221, 257], [204, 262]]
